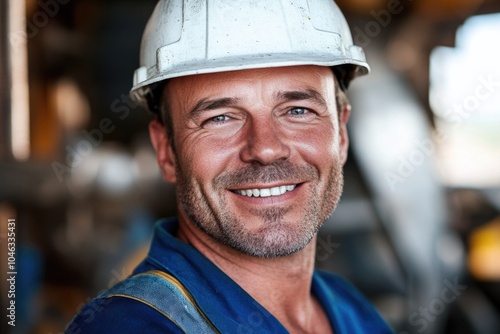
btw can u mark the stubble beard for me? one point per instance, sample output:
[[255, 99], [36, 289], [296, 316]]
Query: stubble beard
[[277, 237]]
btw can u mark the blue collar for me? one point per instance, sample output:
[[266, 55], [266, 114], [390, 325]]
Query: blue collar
[[231, 309], [227, 305]]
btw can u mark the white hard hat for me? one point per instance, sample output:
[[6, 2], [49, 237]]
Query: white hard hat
[[185, 37]]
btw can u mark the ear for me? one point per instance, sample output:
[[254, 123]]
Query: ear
[[344, 138], [164, 152]]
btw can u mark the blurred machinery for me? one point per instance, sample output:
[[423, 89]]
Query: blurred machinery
[[393, 231], [77, 172]]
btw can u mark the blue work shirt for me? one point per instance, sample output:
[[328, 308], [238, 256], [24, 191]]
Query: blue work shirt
[[224, 302]]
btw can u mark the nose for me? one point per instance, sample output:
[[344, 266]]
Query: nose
[[264, 143]]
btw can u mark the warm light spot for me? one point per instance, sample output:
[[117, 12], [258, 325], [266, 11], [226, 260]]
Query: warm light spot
[[72, 105], [485, 252], [20, 121]]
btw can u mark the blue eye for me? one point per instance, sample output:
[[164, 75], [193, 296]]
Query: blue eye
[[219, 118], [298, 111]]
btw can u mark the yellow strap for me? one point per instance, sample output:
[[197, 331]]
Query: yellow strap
[[184, 291]]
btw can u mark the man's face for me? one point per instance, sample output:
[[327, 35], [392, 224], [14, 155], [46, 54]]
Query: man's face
[[258, 155]]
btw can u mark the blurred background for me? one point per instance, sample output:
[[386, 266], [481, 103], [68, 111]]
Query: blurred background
[[417, 229]]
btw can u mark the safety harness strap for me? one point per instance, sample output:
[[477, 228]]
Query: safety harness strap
[[167, 295]]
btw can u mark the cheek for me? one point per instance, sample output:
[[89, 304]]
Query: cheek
[[207, 156], [319, 145]]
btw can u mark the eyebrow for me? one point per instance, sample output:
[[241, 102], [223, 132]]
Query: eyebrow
[[206, 104], [300, 95], [284, 96]]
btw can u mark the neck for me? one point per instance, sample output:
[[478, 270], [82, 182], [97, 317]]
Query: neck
[[281, 285]]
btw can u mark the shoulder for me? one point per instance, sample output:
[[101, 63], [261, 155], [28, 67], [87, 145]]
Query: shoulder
[[128, 307], [120, 315]]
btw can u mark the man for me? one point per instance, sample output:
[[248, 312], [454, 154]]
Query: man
[[251, 126]]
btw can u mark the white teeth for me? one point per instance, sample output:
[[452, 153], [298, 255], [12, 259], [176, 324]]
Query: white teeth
[[275, 191], [266, 192]]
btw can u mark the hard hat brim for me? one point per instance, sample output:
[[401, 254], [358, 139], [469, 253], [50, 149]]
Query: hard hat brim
[[140, 89]]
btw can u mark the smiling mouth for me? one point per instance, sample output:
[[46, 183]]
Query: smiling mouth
[[266, 192]]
